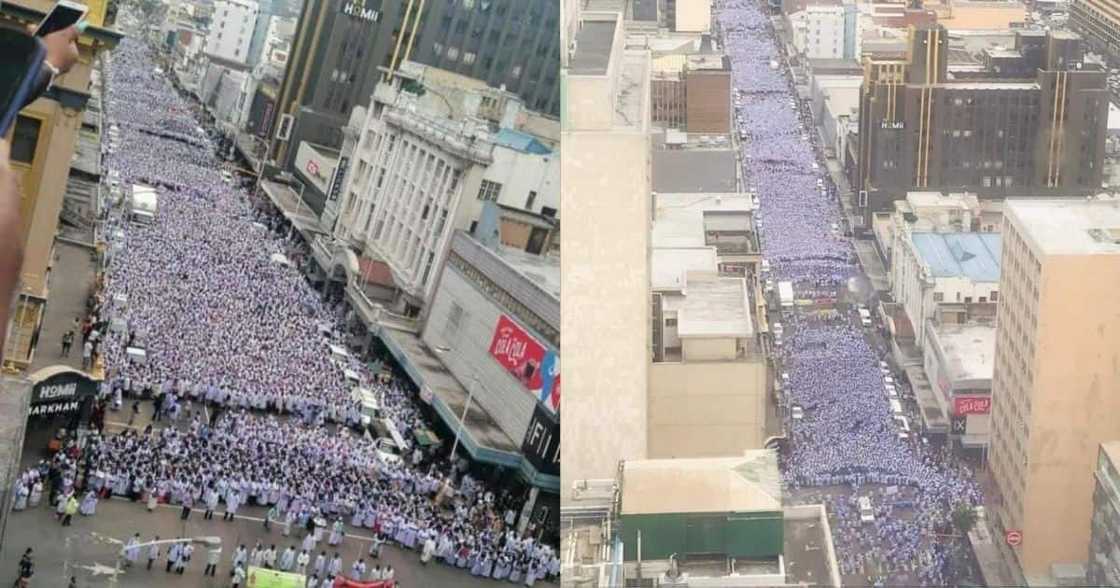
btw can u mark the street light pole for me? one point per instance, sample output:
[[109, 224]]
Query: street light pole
[[463, 417]]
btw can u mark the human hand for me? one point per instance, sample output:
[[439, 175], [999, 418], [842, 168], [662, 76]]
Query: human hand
[[62, 48]]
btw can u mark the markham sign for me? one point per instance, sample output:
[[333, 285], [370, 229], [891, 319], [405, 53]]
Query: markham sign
[[62, 392]]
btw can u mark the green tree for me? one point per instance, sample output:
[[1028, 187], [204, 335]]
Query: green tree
[[964, 518]]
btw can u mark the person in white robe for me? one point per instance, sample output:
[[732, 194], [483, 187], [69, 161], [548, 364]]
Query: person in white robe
[[428, 550], [132, 550], [89, 504]]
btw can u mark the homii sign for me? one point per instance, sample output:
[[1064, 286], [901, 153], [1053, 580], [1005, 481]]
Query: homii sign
[[357, 9]]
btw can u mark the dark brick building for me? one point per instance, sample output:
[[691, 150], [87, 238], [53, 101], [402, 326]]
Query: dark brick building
[[1033, 124]]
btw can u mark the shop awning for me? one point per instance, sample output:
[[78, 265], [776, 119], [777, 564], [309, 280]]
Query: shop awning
[[482, 438]]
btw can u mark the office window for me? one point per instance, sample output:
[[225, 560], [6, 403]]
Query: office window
[[529, 202], [489, 191], [548, 211], [453, 53], [994, 297], [25, 139], [437, 48], [938, 297], [468, 57], [515, 72]]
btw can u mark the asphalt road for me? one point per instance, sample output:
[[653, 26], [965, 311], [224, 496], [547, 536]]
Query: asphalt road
[[88, 548]]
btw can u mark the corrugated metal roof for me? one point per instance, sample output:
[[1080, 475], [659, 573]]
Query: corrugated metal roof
[[967, 255], [522, 142]]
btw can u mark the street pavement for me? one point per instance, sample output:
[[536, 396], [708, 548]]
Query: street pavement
[[71, 285], [89, 547]]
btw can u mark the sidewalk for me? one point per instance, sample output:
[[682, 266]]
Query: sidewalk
[[71, 281]]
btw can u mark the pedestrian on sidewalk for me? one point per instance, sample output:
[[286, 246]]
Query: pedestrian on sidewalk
[[26, 569], [67, 343], [135, 411]]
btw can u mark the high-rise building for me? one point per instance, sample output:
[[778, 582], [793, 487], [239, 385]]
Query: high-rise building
[[605, 264], [1104, 542], [827, 31], [43, 141], [1055, 379], [507, 43], [1099, 22], [1032, 124], [232, 27], [341, 48]]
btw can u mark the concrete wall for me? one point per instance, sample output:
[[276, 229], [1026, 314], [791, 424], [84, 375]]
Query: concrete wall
[[708, 101], [498, 392], [1074, 404], [706, 409], [714, 349], [606, 321], [518, 173], [694, 16]]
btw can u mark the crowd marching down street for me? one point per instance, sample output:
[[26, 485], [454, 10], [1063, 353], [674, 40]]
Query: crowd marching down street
[[225, 327], [846, 440]]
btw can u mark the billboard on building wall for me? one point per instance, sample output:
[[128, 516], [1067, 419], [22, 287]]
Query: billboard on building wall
[[526, 359], [964, 405]]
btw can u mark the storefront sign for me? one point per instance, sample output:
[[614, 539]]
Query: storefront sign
[[958, 425], [526, 359], [542, 442], [358, 10], [266, 578], [338, 178], [892, 125], [314, 166], [966, 405], [344, 582], [61, 393]]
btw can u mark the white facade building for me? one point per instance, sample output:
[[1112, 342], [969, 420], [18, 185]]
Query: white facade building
[[231, 30], [827, 31], [939, 263], [425, 163]]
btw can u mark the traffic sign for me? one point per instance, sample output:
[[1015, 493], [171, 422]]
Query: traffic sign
[[1014, 538]]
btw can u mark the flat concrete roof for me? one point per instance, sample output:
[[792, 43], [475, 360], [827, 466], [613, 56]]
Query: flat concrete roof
[[543, 270], [975, 256], [1069, 226], [669, 265], [594, 41], [968, 351], [644, 10], [724, 484], [679, 219], [714, 307], [694, 170]]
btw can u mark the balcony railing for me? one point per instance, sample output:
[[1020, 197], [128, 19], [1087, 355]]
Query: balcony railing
[[373, 313]]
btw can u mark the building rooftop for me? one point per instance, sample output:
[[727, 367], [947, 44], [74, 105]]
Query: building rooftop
[[670, 265], [644, 10], [712, 307], [1069, 226], [519, 141], [594, 41], [542, 270], [974, 256], [692, 171], [726, 484], [980, 15], [709, 62], [968, 350]]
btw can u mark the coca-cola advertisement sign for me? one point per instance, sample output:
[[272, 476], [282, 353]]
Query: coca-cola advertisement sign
[[537, 368], [966, 405]]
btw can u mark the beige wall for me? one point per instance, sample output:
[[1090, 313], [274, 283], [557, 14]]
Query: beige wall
[[605, 319], [706, 409], [721, 349], [694, 16], [1075, 404]]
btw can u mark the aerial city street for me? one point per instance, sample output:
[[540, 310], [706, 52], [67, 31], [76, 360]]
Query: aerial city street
[[234, 434], [844, 444]]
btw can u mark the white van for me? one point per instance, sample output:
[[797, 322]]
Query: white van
[[797, 413], [866, 514], [896, 407], [892, 393], [903, 427], [864, 316], [352, 377], [371, 407]]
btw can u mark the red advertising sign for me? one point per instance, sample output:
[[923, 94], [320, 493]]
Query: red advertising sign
[[527, 360], [1014, 538], [966, 405], [313, 167]]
